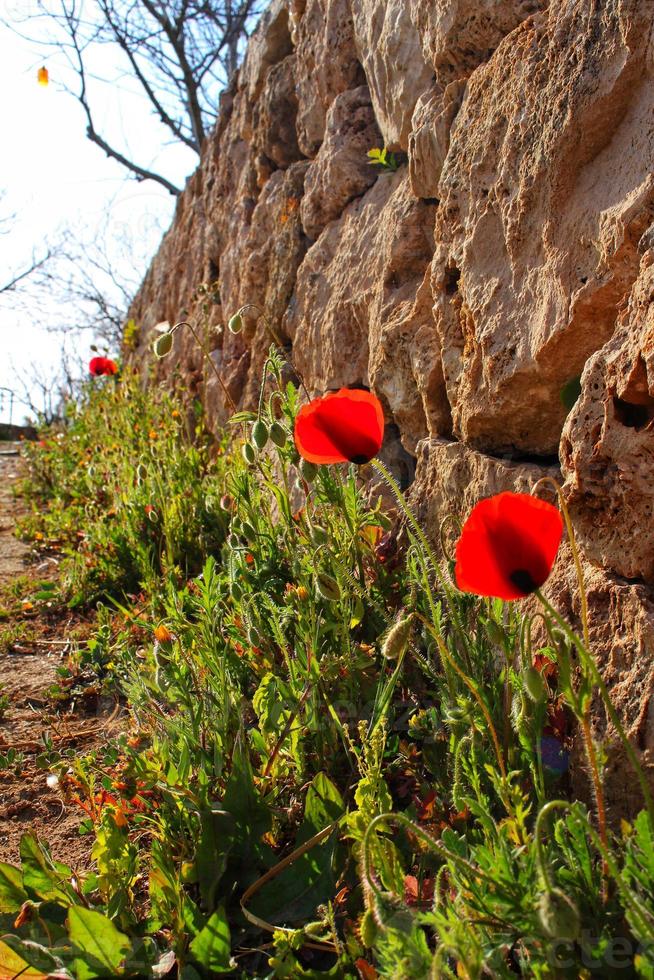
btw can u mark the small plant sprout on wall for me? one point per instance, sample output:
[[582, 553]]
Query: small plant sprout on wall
[[383, 159]]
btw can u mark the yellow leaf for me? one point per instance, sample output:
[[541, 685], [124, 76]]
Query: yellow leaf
[[43, 75], [11, 965]]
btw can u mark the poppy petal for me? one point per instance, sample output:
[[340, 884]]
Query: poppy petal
[[99, 366], [343, 426], [508, 546]]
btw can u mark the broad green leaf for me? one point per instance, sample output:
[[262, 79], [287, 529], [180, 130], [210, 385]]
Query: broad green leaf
[[310, 881], [43, 876], [212, 946], [324, 804], [99, 947], [12, 893]]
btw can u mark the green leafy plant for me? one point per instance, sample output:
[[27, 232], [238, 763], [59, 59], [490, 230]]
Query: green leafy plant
[[337, 763], [382, 158]]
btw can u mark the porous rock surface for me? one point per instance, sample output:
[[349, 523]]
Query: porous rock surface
[[511, 253]]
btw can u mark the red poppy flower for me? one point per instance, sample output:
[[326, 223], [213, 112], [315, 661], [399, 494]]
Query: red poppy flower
[[102, 365], [508, 546], [345, 426]]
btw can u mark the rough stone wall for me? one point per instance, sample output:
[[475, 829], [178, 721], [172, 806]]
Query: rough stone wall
[[511, 252]]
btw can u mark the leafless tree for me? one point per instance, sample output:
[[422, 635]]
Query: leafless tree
[[86, 287], [36, 264], [44, 391], [181, 53]]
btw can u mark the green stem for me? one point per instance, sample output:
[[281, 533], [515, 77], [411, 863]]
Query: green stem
[[207, 357], [589, 661], [445, 653], [540, 853]]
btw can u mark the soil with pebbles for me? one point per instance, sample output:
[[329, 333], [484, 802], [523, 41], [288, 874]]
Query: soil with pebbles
[[42, 635]]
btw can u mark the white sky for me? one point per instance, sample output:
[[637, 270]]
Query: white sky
[[53, 177]]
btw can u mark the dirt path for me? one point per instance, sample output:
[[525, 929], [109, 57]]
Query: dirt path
[[13, 553], [36, 638]]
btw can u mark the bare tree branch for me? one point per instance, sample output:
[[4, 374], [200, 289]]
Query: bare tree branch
[[181, 53]]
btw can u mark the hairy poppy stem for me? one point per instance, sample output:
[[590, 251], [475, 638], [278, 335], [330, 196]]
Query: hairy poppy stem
[[573, 548], [207, 357], [262, 316], [437, 846], [540, 853], [445, 654], [589, 661]]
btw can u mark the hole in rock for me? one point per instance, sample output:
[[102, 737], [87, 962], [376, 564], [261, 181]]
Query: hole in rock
[[451, 281], [212, 271], [631, 415]]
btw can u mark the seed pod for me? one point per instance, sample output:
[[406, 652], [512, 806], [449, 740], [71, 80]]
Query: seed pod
[[534, 684], [235, 324], [319, 534], [248, 453], [397, 639], [163, 344], [368, 929], [141, 472], [308, 470], [260, 433], [278, 434], [249, 531], [328, 587], [495, 632], [558, 915]]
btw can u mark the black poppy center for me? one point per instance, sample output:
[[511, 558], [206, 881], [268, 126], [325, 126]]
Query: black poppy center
[[523, 580], [360, 458]]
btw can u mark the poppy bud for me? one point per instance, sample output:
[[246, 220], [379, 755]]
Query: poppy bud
[[368, 929], [308, 470], [397, 639], [236, 591], [235, 324], [248, 453], [141, 473], [227, 503], [278, 434], [495, 632], [254, 638], [302, 593], [534, 684], [233, 540], [163, 344], [319, 534], [328, 587], [260, 433], [249, 532], [558, 915]]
